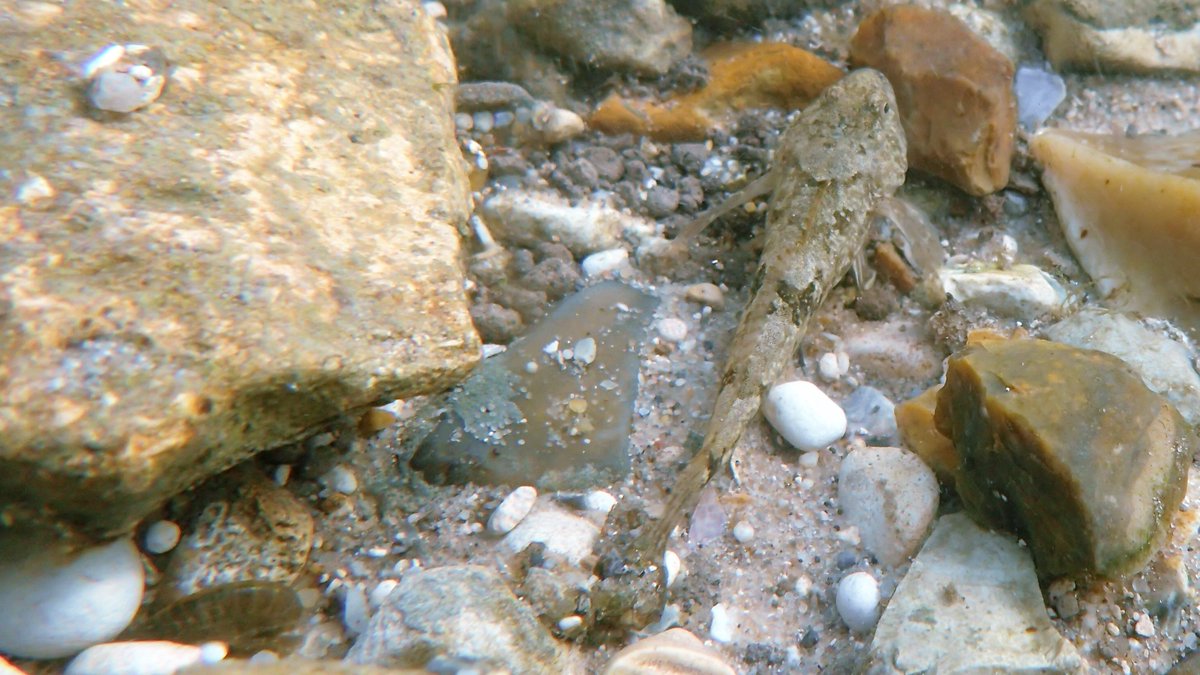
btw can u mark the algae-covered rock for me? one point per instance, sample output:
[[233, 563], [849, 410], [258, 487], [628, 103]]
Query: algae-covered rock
[[270, 243], [555, 409], [1068, 448]]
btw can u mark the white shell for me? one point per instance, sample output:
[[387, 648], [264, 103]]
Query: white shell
[[858, 601]]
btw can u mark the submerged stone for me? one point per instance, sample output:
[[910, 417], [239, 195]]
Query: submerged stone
[[1068, 448], [954, 91], [970, 603], [1130, 210], [539, 414]]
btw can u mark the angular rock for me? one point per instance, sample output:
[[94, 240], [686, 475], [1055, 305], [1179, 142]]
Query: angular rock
[[919, 433], [741, 77], [227, 269], [458, 612], [640, 36], [1164, 365], [891, 496], [562, 423], [528, 219], [1068, 448], [1133, 36], [1138, 241], [954, 91], [1022, 291], [970, 603], [672, 651]]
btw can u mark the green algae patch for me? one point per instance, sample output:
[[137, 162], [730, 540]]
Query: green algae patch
[[1068, 448]]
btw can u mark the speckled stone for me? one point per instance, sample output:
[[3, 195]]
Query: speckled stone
[[273, 242], [1068, 448], [1137, 36]]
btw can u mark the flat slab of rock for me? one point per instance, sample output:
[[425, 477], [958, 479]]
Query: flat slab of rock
[[954, 91], [1137, 36], [970, 603], [268, 244], [1068, 448]]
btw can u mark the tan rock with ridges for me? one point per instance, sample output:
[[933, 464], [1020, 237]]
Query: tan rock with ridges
[[270, 243], [954, 91]]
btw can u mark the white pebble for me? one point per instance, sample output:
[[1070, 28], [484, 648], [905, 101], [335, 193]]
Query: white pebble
[[341, 479], [35, 188], [140, 658], [282, 474], [827, 367], [858, 601], [803, 586], [53, 608], [1144, 626], [570, 623], [809, 460], [720, 627], [162, 536], [380, 593], [599, 501], [464, 121], [435, 9], [264, 657], [706, 294], [355, 611], [743, 532], [585, 351], [891, 497], [566, 536], [604, 262], [512, 510], [804, 415], [672, 329], [559, 125], [1022, 291], [671, 566], [1038, 93], [213, 652]]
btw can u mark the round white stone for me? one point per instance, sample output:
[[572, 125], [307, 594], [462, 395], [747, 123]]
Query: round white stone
[[570, 623], [213, 652], [604, 262], [858, 601], [720, 628], [341, 479], [138, 658], [671, 565], [599, 501], [672, 329], [743, 532], [890, 496], [804, 415], [380, 593], [161, 536], [51, 607], [512, 510], [828, 368]]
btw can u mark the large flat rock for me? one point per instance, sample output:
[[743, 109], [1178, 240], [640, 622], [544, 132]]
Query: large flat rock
[[269, 243]]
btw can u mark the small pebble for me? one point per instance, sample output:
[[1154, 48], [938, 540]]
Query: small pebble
[[604, 262], [512, 510], [566, 536], [585, 351], [743, 532], [355, 610], [281, 474], [672, 329], [1144, 626], [341, 479], [846, 560], [483, 121], [870, 413], [803, 586], [264, 657], [858, 601], [435, 9], [148, 657], [570, 623], [381, 591], [720, 628], [559, 125], [1038, 92], [599, 501], [804, 415], [809, 460], [34, 189], [671, 565], [827, 367], [464, 121], [709, 295], [162, 536]]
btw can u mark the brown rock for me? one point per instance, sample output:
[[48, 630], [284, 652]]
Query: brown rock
[[954, 91], [741, 77], [1067, 447], [918, 432], [268, 244]]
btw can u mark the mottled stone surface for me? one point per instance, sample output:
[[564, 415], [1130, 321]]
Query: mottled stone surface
[[563, 422], [970, 603], [268, 244], [642, 36], [1137, 36], [1068, 448], [461, 612], [1130, 210], [954, 91]]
